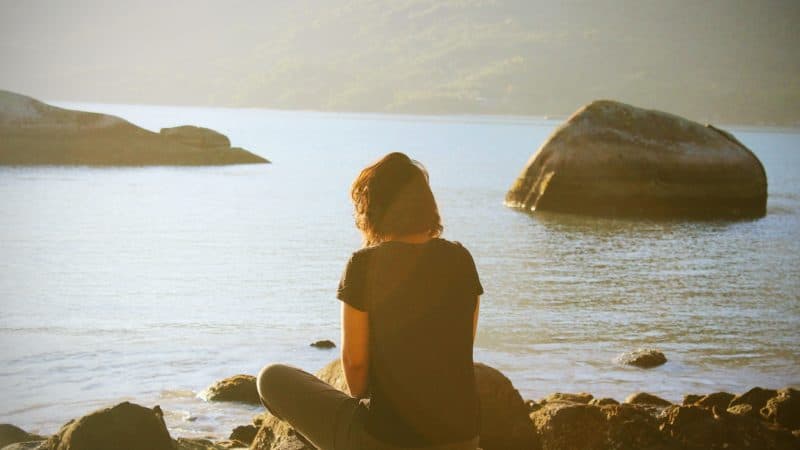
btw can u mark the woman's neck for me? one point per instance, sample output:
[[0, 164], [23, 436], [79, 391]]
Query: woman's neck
[[416, 238]]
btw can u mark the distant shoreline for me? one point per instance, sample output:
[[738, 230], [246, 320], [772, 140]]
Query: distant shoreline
[[443, 117]]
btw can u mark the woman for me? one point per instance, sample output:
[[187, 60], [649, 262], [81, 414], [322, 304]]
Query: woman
[[410, 303]]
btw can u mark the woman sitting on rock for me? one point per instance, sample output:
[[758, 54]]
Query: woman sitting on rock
[[409, 315]]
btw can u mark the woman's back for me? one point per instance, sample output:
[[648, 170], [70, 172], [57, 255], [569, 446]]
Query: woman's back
[[420, 299]]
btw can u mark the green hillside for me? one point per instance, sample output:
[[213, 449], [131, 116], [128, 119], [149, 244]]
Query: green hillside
[[721, 61]]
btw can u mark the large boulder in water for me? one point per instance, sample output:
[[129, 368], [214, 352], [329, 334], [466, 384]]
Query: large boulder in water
[[126, 426], [613, 159], [35, 133], [505, 424]]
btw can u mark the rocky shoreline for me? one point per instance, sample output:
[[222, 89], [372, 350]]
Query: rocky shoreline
[[35, 133], [757, 419]]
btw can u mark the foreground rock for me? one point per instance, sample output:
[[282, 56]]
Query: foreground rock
[[238, 388], [697, 428], [784, 409], [35, 133], [504, 415], [612, 159], [564, 426], [126, 426]]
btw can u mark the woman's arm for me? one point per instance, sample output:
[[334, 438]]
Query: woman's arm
[[475, 318], [355, 349]]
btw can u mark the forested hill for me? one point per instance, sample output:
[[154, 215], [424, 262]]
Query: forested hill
[[722, 61]]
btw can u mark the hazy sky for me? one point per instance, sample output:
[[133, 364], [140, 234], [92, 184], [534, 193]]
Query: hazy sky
[[723, 58]]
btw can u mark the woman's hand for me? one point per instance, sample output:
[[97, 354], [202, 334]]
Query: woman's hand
[[355, 349]]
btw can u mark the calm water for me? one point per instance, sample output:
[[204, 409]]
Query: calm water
[[148, 284]]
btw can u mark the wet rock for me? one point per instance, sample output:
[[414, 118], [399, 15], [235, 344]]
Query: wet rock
[[756, 397], [644, 358], [603, 401], [324, 344], [719, 400], [35, 133], [258, 419], [238, 388], [11, 434], [564, 426], [275, 434], [690, 399], [581, 397], [126, 426], [195, 444], [742, 409], [532, 405], [206, 444], [504, 415], [231, 444], [633, 428], [30, 445], [244, 433], [614, 159], [784, 409], [696, 428], [643, 398], [693, 427]]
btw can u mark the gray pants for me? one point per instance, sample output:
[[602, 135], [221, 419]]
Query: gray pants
[[329, 418]]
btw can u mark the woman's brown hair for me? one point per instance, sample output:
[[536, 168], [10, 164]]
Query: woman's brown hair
[[393, 198]]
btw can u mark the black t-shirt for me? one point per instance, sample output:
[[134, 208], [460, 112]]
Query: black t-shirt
[[420, 299]]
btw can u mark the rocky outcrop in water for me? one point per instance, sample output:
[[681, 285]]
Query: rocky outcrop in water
[[35, 133], [614, 159], [238, 388]]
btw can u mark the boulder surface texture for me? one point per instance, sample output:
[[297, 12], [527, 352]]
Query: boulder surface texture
[[35, 133], [126, 426], [613, 159]]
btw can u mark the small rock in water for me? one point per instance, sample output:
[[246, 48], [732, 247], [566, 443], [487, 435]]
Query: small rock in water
[[238, 388], [323, 344], [643, 357]]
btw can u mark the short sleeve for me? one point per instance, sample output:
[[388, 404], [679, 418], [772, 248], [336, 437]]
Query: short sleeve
[[471, 273], [351, 285]]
